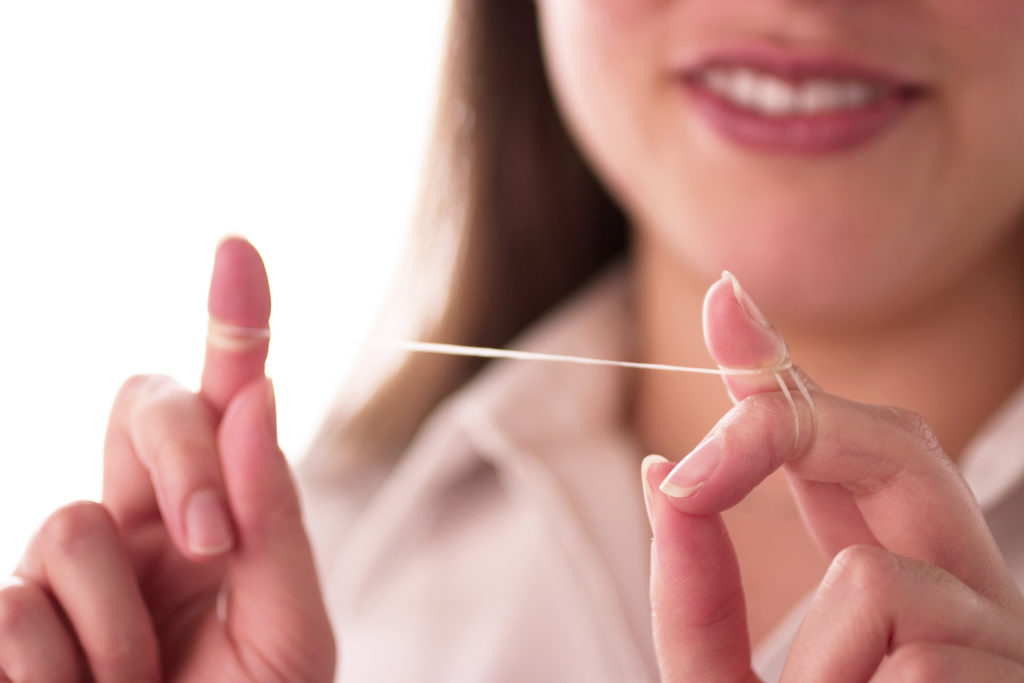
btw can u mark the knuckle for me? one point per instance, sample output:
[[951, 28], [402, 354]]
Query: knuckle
[[158, 396], [132, 389], [171, 427], [136, 397], [919, 429], [917, 663], [763, 419], [753, 409], [19, 603], [74, 526], [180, 460], [113, 653], [745, 430], [169, 455], [759, 407], [863, 571]]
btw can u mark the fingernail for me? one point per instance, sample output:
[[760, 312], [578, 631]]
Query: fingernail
[[207, 524], [644, 467], [692, 471], [11, 581], [746, 303], [271, 409], [227, 237]]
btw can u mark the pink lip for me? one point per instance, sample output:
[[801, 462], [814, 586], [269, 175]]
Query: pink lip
[[814, 134]]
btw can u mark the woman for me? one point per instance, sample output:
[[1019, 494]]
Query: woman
[[858, 165]]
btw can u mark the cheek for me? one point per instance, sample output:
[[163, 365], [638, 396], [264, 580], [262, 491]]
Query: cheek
[[601, 58], [618, 10], [984, 45], [980, 13], [986, 100]]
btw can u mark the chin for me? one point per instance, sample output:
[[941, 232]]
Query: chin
[[818, 272]]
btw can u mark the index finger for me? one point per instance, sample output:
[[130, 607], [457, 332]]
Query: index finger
[[239, 308]]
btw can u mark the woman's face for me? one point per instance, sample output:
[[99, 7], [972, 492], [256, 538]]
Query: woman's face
[[846, 159]]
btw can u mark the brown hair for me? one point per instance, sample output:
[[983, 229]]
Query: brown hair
[[504, 184]]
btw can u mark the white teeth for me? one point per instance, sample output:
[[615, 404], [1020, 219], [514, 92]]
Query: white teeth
[[742, 86], [773, 96], [857, 94], [818, 96]]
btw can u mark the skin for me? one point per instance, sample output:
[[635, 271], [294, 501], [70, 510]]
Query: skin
[[130, 589], [893, 269], [142, 587]]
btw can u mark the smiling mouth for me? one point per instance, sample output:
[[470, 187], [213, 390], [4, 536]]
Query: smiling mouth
[[770, 95], [805, 107]]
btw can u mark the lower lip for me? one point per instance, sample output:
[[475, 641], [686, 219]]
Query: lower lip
[[816, 134]]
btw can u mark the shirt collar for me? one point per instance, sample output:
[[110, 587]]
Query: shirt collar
[[993, 462], [577, 400]]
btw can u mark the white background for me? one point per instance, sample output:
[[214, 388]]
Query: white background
[[133, 135]]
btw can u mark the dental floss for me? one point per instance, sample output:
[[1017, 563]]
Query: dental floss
[[792, 405], [240, 338], [235, 337], [784, 366], [484, 352], [802, 388]]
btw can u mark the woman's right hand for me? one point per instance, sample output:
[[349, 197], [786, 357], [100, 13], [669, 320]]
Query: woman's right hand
[[918, 589], [196, 566]]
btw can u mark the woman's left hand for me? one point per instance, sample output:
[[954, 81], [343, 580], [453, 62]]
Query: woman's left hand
[[917, 589]]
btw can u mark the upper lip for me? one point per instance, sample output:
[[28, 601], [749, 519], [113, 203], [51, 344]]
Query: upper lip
[[796, 64]]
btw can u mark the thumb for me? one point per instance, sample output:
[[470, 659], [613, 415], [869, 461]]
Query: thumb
[[274, 604], [739, 337]]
